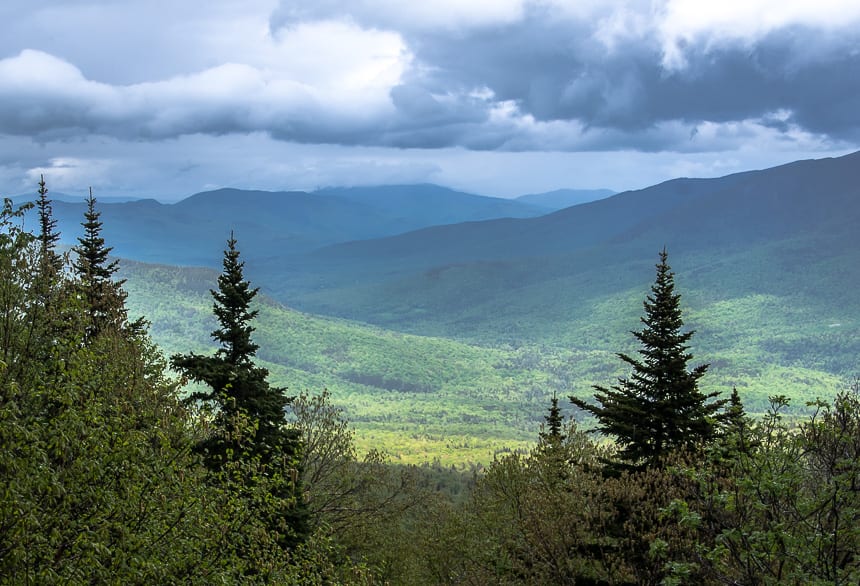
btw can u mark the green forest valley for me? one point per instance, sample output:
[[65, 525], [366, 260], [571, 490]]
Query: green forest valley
[[474, 464], [460, 401]]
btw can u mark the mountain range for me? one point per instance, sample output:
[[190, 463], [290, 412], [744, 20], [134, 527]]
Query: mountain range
[[766, 262], [788, 231], [564, 198], [275, 224]]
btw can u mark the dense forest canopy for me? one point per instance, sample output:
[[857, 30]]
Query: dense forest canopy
[[112, 473]]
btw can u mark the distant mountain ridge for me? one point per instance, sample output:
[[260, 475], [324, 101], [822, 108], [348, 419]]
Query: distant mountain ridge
[[276, 224], [816, 196], [565, 198], [778, 246]]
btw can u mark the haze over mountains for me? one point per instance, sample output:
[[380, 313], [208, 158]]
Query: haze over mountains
[[786, 230], [778, 246], [564, 198], [192, 231]]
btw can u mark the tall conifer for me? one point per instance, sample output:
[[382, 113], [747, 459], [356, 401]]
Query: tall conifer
[[238, 389], [103, 293], [48, 235], [554, 422], [659, 407]]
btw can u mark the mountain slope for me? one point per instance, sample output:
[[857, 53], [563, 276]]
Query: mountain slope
[[589, 225], [809, 197], [424, 397], [778, 246], [416, 397], [277, 224], [564, 198]]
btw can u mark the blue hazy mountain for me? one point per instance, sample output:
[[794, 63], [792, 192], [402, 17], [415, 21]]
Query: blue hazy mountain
[[814, 197], [430, 205], [787, 233], [272, 225], [564, 198]]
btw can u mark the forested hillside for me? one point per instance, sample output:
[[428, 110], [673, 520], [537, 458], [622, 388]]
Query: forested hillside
[[111, 476], [432, 397], [784, 231], [278, 225], [764, 285]]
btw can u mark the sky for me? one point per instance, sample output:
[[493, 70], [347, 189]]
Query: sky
[[166, 98]]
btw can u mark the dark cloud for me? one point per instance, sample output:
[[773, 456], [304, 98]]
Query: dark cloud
[[558, 71], [556, 68], [510, 75]]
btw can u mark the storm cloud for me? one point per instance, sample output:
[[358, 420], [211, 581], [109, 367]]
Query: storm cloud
[[495, 76]]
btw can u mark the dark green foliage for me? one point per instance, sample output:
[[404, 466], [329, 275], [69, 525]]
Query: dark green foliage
[[99, 481], [535, 518], [554, 423], [659, 407], [783, 508], [103, 293], [236, 384], [92, 254], [735, 422], [49, 237], [242, 399]]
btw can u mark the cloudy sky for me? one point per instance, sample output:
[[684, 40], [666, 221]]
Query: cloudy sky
[[165, 98]]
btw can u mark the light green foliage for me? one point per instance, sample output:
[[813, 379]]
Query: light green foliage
[[98, 480], [533, 518], [464, 402], [345, 492], [359, 500], [775, 502], [427, 397]]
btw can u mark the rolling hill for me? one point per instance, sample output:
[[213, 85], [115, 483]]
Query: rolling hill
[[475, 324], [422, 397], [277, 224], [564, 198], [787, 230]]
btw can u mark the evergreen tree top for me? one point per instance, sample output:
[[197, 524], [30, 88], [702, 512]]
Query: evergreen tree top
[[659, 407], [554, 422], [232, 307], [48, 236], [92, 261], [236, 383]]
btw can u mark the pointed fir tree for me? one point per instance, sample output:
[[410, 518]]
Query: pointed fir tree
[[51, 262], [49, 316], [554, 423], [103, 294], [239, 391], [735, 419], [736, 435], [659, 407]]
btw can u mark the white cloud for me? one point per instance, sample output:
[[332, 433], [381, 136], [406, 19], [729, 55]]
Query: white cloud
[[350, 85], [428, 15], [338, 57], [241, 92], [69, 173], [682, 23]]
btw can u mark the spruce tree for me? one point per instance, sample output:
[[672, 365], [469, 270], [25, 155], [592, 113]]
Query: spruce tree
[[554, 423], [104, 296], [239, 392], [48, 235], [659, 407]]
